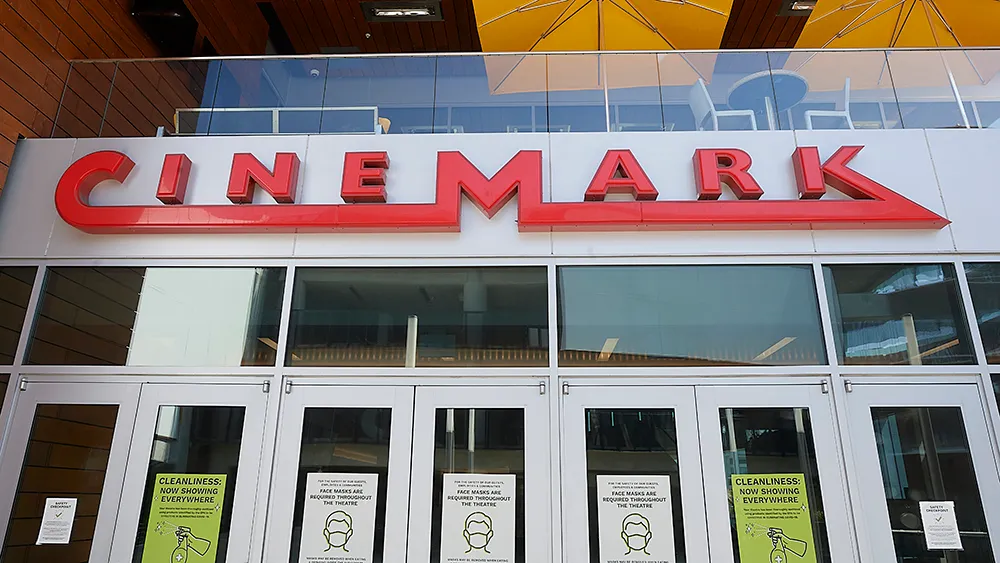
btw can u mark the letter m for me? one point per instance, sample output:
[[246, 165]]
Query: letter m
[[455, 174]]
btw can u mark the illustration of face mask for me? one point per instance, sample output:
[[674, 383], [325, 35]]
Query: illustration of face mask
[[338, 530], [636, 533], [478, 531]]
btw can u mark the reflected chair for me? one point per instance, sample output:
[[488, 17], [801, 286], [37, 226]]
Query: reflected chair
[[703, 107], [843, 113]]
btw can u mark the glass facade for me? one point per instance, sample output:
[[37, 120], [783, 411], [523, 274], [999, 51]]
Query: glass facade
[[158, 317], [898, 314], [688, 316], [461, 317]]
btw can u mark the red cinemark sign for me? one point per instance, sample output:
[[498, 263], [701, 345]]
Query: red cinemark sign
[[363, 188]]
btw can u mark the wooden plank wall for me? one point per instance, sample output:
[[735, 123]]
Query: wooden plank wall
[[67, 457], [38, 38]]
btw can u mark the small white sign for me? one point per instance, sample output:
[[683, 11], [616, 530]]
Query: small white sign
[[940, 525], [57, 521], [477, 518], [635, 519], [338, 521]]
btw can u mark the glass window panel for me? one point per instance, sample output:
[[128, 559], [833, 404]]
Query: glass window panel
[[688, 315], [465, 316], [15, 290], [633, 442], [194, 440], [269, 85], [576, 94], [67, 456], [634, 92], [344, 440], [924, 456], [490, 94], [838, 81], [400, 88], [984, 285], [923, 86], [897, 314], [478, 441], [158, 316], [769, 441]]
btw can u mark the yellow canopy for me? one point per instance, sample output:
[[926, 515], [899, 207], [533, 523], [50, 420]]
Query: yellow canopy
[[510, 74], [598, 25], [844, 24]]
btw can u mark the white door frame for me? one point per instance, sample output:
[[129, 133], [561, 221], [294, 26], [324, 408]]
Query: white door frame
[[126, 396], [829, 463], [303, 395], [871, 511], [575, 402], [154, 395], [537, 483]]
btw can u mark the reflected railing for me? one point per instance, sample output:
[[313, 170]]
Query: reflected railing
[[529, 92]]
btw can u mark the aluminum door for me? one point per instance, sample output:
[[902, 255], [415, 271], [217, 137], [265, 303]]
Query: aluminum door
[[497, 430], [332, 432], [67, 440], [914, 444], [767, 448], [207, 438], [643, 436]]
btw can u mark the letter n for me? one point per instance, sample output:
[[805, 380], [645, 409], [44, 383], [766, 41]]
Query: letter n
[[248, 172]]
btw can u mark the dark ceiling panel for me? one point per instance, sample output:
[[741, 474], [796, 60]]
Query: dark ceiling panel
[[313, 25], [755, 24]]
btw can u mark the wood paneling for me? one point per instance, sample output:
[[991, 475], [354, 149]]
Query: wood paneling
[[315, 25], [235, 27], [67, 456], [754, 24]]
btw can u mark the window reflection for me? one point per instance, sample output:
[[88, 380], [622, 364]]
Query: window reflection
[[897, 314], [632, 442], [15, 290], [67, 457], [479, 441], [464, 316], [984, 285], [158, 316], [769, 441], [688, 315], [924, 455]]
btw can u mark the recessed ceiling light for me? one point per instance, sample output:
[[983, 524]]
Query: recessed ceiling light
[[402, 10], [797, 7]]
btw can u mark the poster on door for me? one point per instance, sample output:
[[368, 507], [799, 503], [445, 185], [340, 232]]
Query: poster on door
[[338, 520], [477, 518], [635, 519], [185, 515], [773, 520]]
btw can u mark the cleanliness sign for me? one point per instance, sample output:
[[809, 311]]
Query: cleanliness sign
[[184, 518], [773, 518]]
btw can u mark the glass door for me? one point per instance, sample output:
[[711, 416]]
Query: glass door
[[774, 486], [924, 465], [61, 471], [342, 474], [191, 483], [481, 487], [631, 475]]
